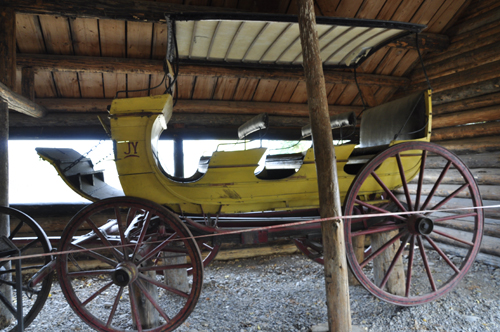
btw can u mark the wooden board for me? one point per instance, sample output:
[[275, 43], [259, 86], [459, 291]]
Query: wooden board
[[114, 83], [225, 88], [284, 91], [265, 90], [204, 87], [57, 35], [246, 88], [112, 35], [29, 37], [85, 35], [44, 85], [137, 82]]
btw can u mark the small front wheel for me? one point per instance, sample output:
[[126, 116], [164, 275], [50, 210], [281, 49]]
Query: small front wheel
[[124, 266]]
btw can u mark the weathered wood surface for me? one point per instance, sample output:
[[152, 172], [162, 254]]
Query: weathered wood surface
[[473, 145], [479, 160], [467, 104], [483, 176], [21, 104], [28, 83], [128, 10], [480, 115], [460, 205], [396, 282], [457, 251], [336, 278], [468, 226], [487, 192], [461, 62], [474, 90], [197, 106], [489, 245], [426, 42], [469, 131], [61, 63]]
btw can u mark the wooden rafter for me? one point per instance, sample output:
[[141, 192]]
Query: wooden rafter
[[127, 65], [127, 10]]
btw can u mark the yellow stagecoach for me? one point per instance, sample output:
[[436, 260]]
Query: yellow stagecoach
[[143, 240]]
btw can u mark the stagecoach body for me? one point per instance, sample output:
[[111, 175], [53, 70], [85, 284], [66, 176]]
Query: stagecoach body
[[230, 184]]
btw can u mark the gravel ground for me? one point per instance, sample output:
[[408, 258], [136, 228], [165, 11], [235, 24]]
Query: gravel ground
[[286, 293]]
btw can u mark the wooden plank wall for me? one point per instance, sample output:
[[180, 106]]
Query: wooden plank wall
[[466, 107]]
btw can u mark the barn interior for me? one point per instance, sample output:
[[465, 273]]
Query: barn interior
[[74, 57]]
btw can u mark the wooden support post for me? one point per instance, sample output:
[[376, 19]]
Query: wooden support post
[[178, 157], [7, 77], [336, 280], [28, 83]]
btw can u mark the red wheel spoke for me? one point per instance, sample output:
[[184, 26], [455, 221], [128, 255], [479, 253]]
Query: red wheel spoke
[[426, 263], [155, 251], [455, 216], [115, 306], [133, 307], [452, 195], [410, 266], [165, 287], [95, 255], [143, 233], [121, 231], [376, 208], [103, 237], [132, 213], [436, 185], [453, 238], [420, 179], [96, 294], [153, 302], [388, 191], [377, 229], [383, 248], [165, 267], [442, 254], [394, 260], [403, 180], [88, 273]]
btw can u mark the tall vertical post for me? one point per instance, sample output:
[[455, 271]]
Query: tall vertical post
[[336, 280], [7, 77]]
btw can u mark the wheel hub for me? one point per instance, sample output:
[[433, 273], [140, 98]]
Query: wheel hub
[[124, 274], [420, 225]]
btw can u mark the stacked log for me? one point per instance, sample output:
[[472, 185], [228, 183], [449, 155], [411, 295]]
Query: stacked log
[[466, 114]]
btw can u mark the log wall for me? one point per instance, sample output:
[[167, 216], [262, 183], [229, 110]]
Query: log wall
[[466, 108]]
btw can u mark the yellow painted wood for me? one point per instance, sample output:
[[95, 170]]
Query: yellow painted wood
[[229, 185]]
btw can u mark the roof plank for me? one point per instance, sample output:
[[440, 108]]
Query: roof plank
[[127, 10], [29, 37]]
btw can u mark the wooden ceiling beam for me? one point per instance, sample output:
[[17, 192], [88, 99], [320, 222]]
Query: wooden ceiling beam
[[77, 105], [144, 66], [127, 10], [21, 104]]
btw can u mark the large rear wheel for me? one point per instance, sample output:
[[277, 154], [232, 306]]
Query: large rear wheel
[[413, 258]]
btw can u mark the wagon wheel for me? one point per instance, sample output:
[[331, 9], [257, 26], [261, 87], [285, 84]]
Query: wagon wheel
[[312, 248], [413, 247], [28, 236], [209, 249], [114, 287]]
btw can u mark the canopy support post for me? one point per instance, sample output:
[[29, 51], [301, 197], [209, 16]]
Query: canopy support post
[[7, 77], [336, 280]]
